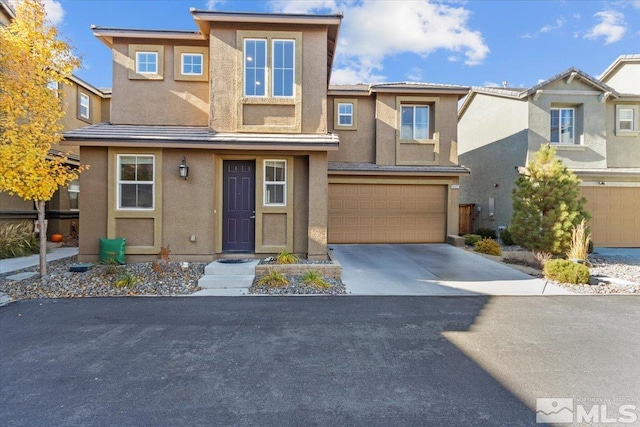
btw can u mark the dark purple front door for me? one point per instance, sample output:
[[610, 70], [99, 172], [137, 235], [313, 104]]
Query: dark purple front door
[[239, 206]]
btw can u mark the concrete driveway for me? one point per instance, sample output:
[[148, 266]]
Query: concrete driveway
[[432, 269]]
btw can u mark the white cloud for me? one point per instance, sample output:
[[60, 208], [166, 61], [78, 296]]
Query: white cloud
[[453, 58], [374, 30], [213, 4], [636, 4], [612, 26], [491, 84], [53, 8], [559, 23]]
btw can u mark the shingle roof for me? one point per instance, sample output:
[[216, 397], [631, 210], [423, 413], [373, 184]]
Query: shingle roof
[[373, 168], [200, 136]]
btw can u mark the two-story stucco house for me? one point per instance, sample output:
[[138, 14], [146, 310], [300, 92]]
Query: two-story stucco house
[[229, 140], [83, 105], [593, 123]]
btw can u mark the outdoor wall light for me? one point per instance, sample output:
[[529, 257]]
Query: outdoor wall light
[[184, 169]]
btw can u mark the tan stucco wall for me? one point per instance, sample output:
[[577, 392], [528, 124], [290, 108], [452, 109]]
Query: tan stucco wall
[[590, 115], [386, 129], [226, 88], [356, 145], [93, 202], [156, 102], [626, 79], [301, 205], [623, 150], [492, 141], [318, 200]]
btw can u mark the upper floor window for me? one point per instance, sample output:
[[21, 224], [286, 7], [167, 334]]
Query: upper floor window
[[54, 86], [147, 62], [414, 122], [562, 125], [74, 191], [255, 67], [627, 120], [84, 107], [283, 68], [275, 182], [135, 181], [192, 64], [345, 114]]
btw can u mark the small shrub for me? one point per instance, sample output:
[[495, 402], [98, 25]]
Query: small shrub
[[507, 237], [17, 240], [273, 279], [314, 278], [488, 246], [580, 239], [565, 271], [161, 264], [112, 266], [542, 257], [486, 233], [286, 257], [471, 239], [126, 280]]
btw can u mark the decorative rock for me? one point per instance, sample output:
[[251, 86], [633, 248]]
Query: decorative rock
[[21, 276]]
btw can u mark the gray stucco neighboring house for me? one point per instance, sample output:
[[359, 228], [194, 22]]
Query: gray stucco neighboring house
[[593, 122]]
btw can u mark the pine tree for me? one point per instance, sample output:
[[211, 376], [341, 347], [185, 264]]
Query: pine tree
[[546, 204], [31, 57]]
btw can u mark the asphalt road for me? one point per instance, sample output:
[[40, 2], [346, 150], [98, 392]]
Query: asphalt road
[[307, 361]]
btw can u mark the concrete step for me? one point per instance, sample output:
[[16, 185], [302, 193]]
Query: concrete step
[[243, 268], [234, 292], [226, 281]]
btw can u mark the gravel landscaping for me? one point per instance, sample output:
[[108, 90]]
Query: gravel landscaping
[[297, 287], [100, 280]]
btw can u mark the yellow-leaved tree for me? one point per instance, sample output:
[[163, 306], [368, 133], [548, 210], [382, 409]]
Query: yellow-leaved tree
[[31, 58]]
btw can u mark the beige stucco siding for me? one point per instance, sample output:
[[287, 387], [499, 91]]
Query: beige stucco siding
[[301, 205], [156, 102], [93, 202], [385, 129], [589, 150], [623, 149], [626, 79], [492, 142], [356, 145]]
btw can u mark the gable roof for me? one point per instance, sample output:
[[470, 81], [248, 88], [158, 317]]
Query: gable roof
[[521, 94], [101, 92], [622, 59]]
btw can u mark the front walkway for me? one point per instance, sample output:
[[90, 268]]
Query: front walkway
[[15, 264], [431, 269]]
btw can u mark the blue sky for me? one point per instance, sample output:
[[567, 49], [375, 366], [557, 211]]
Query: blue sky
[[473, 42]]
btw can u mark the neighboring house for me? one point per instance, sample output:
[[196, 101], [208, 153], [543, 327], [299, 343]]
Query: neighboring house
[[244, 104], [592, 122], [83, 105]]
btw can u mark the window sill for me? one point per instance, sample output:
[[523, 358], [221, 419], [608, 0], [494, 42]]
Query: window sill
[[417, 141], [627, 133], [568, 147], [345, 128]]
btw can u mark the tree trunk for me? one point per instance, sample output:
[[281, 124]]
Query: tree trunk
[[43, 238]]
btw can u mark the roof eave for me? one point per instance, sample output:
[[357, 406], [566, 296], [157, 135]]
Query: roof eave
[[107, 35]]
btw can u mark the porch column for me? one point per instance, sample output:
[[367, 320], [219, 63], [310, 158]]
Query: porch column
[[318, 199]]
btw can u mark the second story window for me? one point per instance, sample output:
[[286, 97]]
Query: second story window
[[562, 126], [255, 67], [626, 119], [84, 107], [345, 114], [192, 64], [414, 122], [147, 62], [283, 68]]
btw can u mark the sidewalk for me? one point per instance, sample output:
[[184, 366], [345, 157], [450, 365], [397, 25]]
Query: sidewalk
[[15, 264]]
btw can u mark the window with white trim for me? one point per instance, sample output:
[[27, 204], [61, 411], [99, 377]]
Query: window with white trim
[[562, 126], [255, 67], [414, 122], [147, 62], [192, 64], [627, 118], [136, 181], [84, 107], [345, 114], [55, 87], [275, 182], [74, 191], [283, 60]]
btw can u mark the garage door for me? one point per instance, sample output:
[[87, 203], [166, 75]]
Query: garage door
[[615, 213], [387, 213]]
